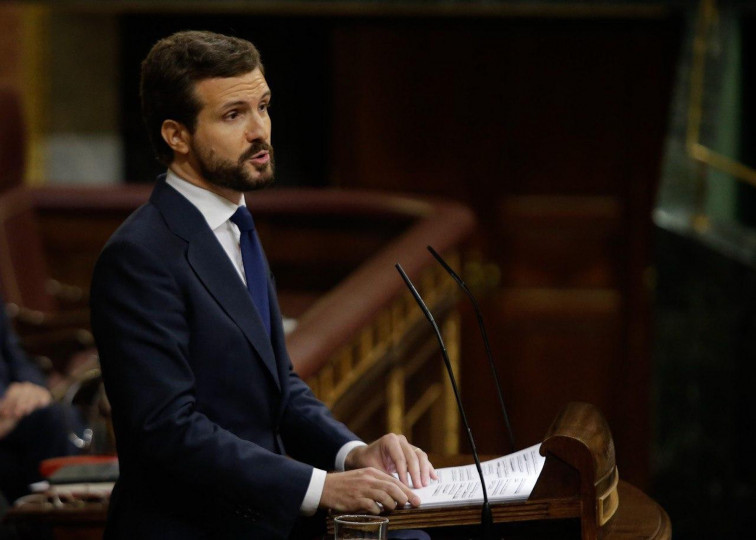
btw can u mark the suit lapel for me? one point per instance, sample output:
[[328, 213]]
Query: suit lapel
[[216, 272]]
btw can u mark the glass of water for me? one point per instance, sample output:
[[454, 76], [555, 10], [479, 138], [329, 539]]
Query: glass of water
[[349, 527]]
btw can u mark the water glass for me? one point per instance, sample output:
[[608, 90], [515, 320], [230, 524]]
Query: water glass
[[349, 527]]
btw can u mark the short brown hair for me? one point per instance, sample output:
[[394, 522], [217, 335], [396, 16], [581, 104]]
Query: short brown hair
[[172, 68]]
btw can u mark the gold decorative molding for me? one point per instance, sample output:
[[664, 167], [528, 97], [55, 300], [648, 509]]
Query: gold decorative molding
[[708, 16], [451, 331], [35, 86], [543, 8], [395, 401], [387, 353]]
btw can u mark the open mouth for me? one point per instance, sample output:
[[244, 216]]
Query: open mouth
[[260, 157]]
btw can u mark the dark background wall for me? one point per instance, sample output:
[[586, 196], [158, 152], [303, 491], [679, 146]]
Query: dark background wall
[[295, 53], [552, 131], [705, 322]]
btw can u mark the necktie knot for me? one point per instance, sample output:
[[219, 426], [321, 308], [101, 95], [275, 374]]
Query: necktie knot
[[243, 219]]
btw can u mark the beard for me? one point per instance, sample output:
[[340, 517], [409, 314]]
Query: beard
[[227, 174]]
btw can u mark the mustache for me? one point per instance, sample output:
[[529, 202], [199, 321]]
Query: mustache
[[256, 147]]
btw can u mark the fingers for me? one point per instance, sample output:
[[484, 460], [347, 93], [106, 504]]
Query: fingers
[[23, 398], [10, 403], [400, 455], [373, 507], [394, 454], [365, 490], [23, 403], [426, 469], [408, 461], [388, 496], [29, 400], [402, 494], [413, 463], [6, 426], [388, 491]]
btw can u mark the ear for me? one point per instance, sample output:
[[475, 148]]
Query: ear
[[176, 136]]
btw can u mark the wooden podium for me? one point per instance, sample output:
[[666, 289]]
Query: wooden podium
[[578, 494]]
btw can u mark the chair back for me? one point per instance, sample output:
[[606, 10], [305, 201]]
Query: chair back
[[12, 139], [23, 267]]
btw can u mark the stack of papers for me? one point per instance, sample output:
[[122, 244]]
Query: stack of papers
[[509, 478]]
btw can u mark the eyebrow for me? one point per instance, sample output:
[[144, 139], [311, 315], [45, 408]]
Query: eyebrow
[[232, 104], [241, 102]]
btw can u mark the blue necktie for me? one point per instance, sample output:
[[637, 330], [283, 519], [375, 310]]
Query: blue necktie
[[254, 263]]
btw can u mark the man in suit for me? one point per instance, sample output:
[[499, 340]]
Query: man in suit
[[216, 434], [32, 427]]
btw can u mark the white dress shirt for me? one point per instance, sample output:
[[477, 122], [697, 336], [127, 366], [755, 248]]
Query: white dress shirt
[[217, 211]]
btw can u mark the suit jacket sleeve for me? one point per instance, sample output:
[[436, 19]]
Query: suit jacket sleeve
[[309, 431], [16, 367]]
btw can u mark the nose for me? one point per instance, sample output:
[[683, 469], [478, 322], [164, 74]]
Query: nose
[[258, 128]]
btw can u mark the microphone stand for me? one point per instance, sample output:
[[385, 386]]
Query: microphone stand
[[486, 517], [483, 333]]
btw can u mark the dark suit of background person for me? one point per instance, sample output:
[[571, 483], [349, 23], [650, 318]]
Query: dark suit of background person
[[38, 434], [205, 404]]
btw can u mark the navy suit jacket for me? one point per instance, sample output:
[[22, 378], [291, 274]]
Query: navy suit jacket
[[206, 406], [14, 366]]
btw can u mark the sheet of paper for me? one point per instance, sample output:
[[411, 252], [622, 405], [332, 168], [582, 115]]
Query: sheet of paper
[[508, 478]]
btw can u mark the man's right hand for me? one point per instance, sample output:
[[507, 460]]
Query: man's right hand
[[361, 490]]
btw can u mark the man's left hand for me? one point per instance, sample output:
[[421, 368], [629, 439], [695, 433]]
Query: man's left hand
[[394, 454]]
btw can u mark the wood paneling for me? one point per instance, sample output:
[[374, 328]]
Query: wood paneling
[[552, 131], [11, 29]]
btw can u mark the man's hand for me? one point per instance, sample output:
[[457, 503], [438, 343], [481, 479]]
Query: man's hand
[[394, 454], [22, 398], [6, 426], [365, 490]]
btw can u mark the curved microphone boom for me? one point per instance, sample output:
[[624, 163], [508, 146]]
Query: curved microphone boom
[[486, 516], [483, 333]]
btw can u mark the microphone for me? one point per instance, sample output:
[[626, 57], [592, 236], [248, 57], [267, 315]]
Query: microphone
[[483, 333], [486, 517]]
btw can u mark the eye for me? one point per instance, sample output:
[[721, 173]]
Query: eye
[[231, 115], [264, 106]]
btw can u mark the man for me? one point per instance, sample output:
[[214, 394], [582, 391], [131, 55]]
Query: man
[[32, 428], [216, 435]]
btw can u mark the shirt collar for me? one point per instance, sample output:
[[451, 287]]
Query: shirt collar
[[215, 209]]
